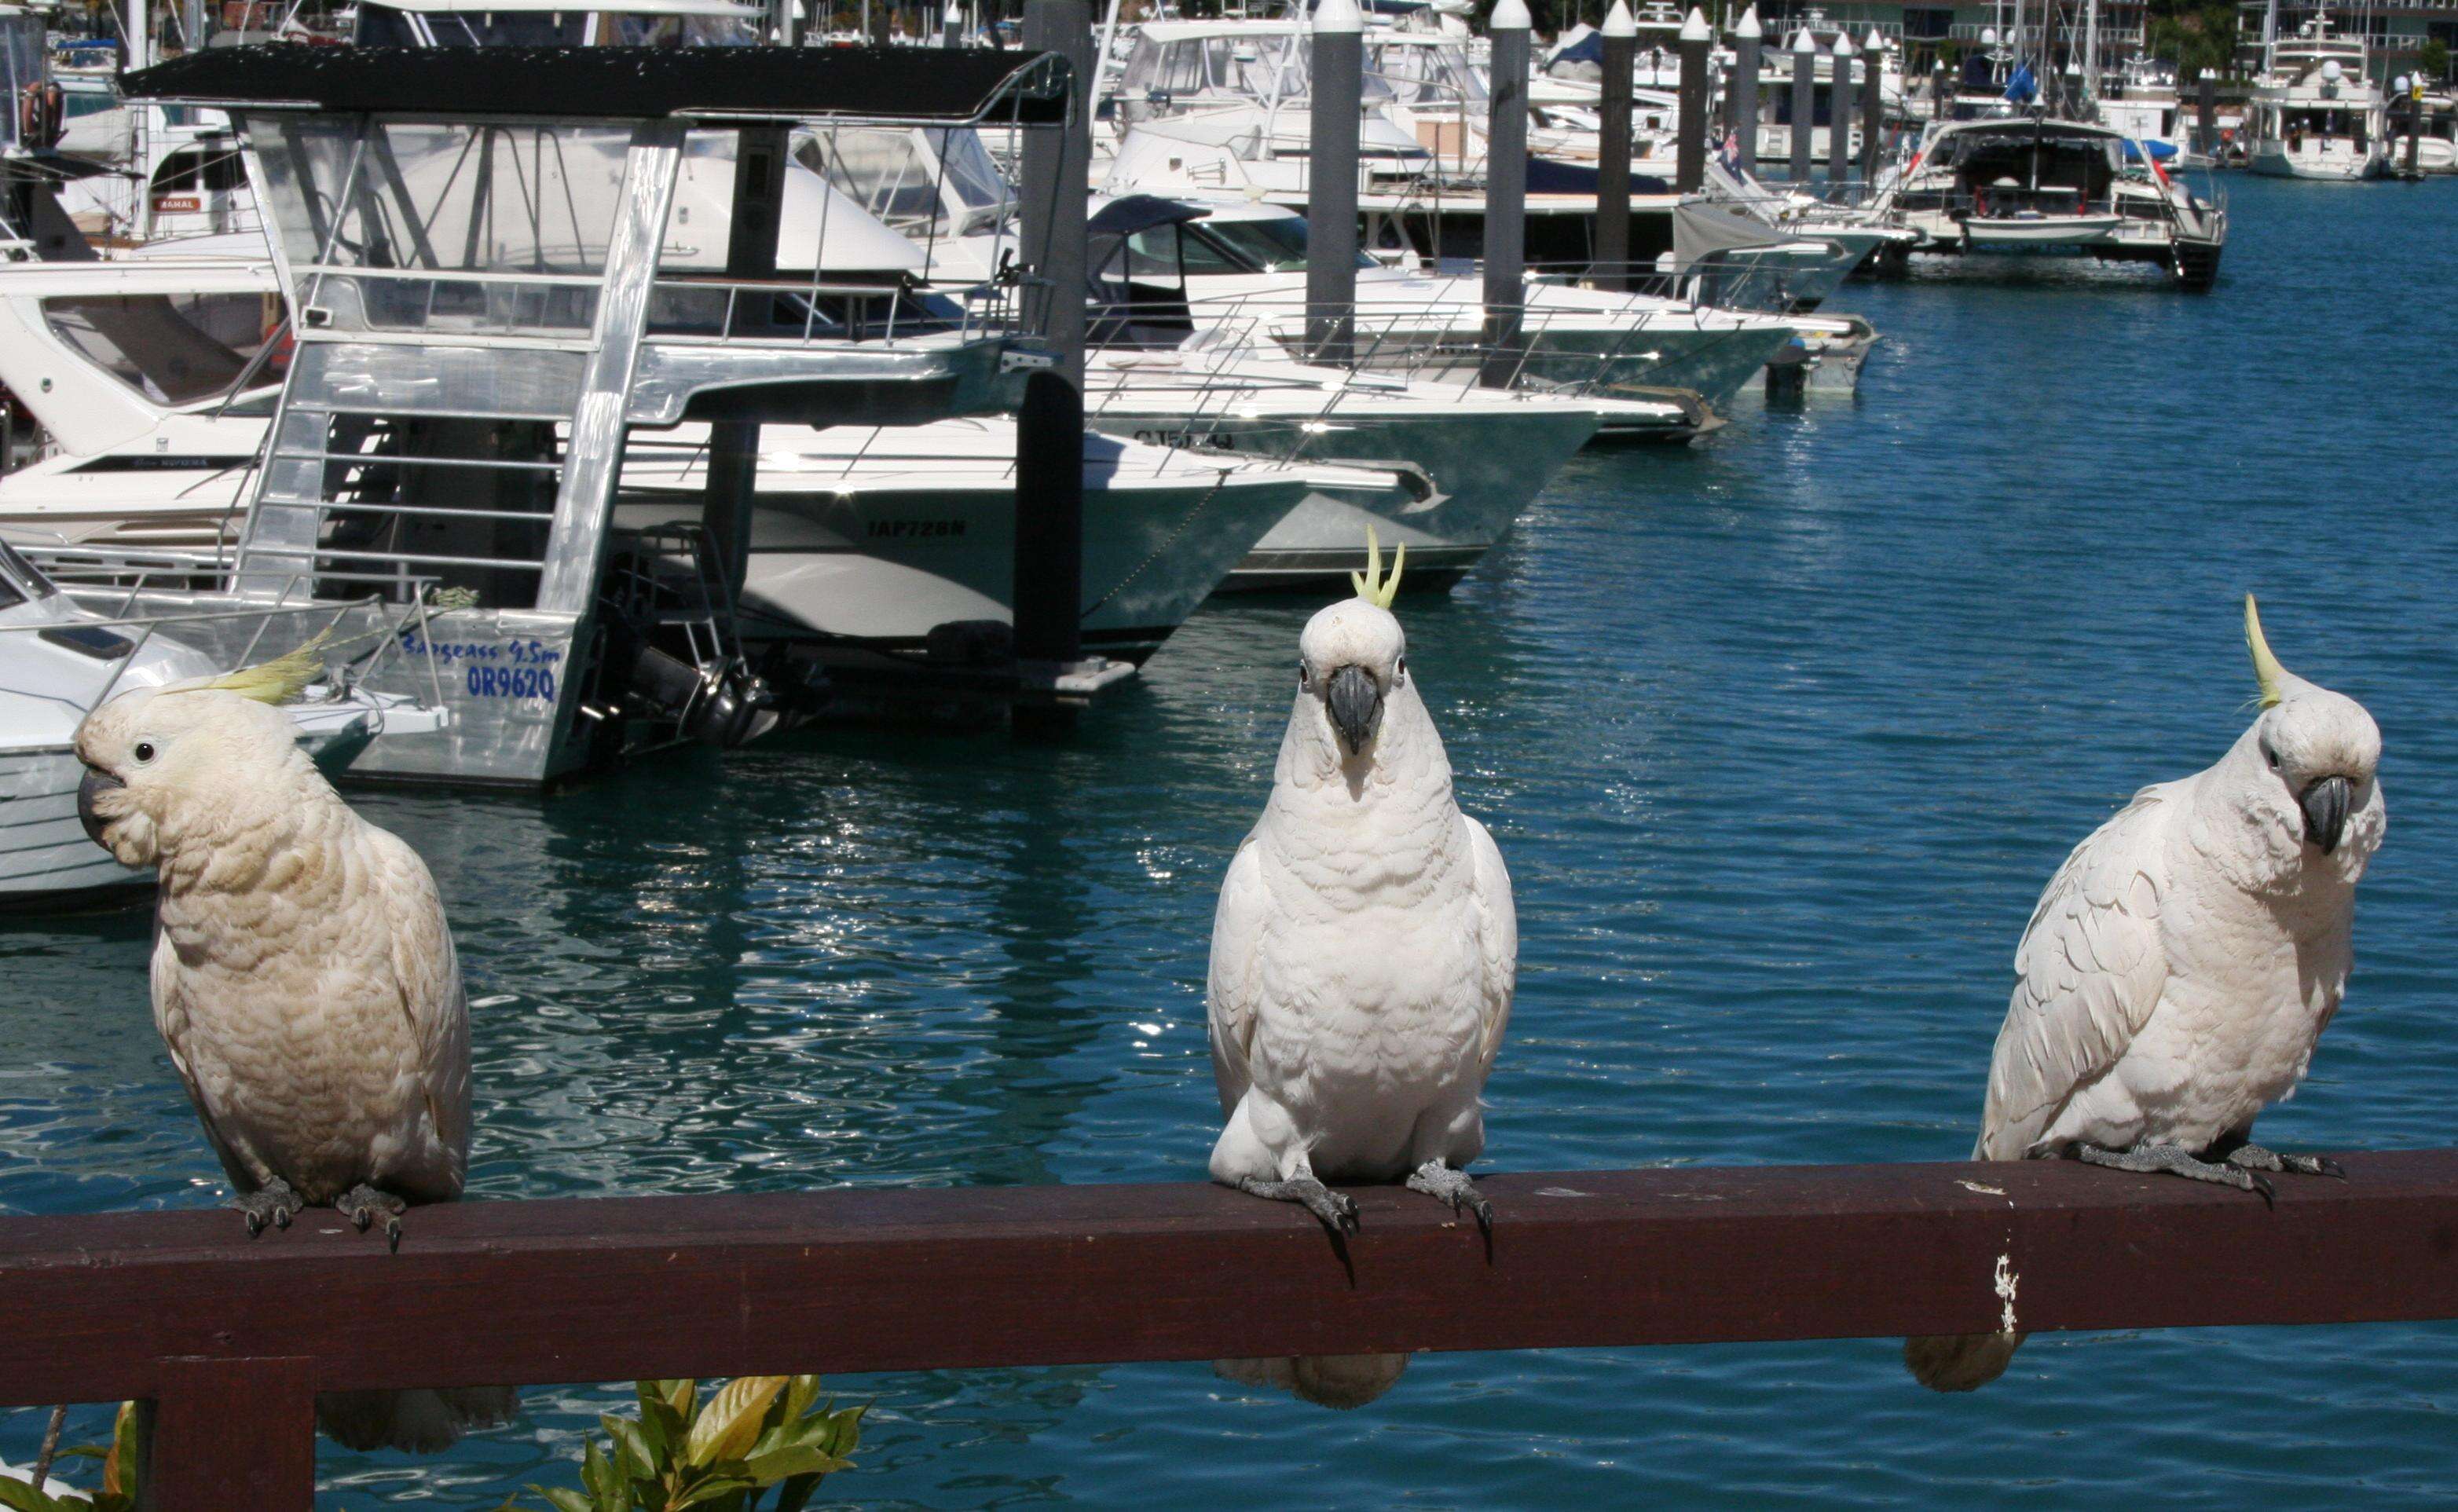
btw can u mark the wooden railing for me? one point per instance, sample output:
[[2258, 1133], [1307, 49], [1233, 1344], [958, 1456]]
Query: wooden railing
[[231, 1338]]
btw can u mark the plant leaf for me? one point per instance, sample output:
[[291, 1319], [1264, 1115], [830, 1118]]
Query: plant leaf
[[730, 1424], [633, 1458], [711, 1489], [127, 1452], [770, 1468], [799, 1393], [845, 1430], [796, 1493], [565, 1498], [664, 1431], [21, 1496], [683, 1397]]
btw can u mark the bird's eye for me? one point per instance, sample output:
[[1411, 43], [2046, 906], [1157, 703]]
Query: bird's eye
[[144, 751], [2270, 755], [1303, 681], [1400, 669]]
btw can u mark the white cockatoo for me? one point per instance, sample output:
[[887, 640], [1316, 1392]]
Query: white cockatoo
[[303, 978], [2182, 963], [1364, 950]]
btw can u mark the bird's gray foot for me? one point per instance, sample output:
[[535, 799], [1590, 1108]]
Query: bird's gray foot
[[364, 1204], [2174, 1160], [1443, 1184], [2253, 1157], [1337, 1210], [275, 1202]]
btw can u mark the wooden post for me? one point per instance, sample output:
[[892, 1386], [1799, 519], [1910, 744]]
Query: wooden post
[[2206, 112], [1613, 150], [1506, 195], [1749, 46], [1337, 106], [231, 1433], [1873, 104], [1839, 113], [1048, 594], [1804, 102], [1690, 159]]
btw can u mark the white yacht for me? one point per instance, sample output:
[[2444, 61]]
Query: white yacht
[[2317, 113], [2033, 186], [2146, 108], [59, 662]]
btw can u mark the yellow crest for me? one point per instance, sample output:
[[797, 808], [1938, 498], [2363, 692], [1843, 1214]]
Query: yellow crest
[[1371, 584], [280, 680], [2266, 669]]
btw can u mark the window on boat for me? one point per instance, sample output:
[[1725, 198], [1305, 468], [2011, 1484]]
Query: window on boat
[[1181, 68], [172, 348], [215, 169], [883, 170], [1277, 245], [438, 225], [972, 172], [677, 31], [386, 26]]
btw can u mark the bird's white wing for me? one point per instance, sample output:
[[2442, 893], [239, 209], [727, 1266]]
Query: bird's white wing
[[1498, 933], [1233, 987], [2089, 972], [426, 972], [172, 1016]]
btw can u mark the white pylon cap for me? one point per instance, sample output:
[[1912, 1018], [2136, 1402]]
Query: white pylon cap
[[1988, 37], [1510, 15], [1749, 29], [1803, 42], [1873, 43], [1696, 28], [1843, 46], [1618, 22], [1339, 17]]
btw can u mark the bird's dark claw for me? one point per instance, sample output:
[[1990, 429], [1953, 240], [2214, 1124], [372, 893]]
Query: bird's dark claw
[[364, 1204], [275, 1203]]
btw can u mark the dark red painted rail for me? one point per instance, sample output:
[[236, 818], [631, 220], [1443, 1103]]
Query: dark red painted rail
[[232, 1337]]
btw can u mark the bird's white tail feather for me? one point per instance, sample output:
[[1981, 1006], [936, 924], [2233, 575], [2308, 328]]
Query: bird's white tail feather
[[1960, 1361], [414, 1421], [1327, 1380]]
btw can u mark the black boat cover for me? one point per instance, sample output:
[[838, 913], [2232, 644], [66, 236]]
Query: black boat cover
[[601, 83]]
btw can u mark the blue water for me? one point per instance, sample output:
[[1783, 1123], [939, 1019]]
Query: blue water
[[1780, 735]]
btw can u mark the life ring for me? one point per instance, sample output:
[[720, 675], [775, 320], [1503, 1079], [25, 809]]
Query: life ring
[[41, 109]]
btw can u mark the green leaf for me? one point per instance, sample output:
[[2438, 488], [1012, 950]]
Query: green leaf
[[730, 1424], [633, 1458], [770, 1468], [662, 1431], [565, 1498], [128, 1433], [711, 1489], [799, 1393], [21, 1496], [683, 1397], [845, 1430]]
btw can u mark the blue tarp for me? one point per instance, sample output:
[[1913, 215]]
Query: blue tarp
[[2022, 88], [2160, 152], [1588, 48]]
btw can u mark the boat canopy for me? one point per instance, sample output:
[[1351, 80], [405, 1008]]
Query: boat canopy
[[603, 83]]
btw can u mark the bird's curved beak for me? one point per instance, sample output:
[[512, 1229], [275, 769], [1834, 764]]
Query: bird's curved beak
[[2325, 803], [95, 784], [1356, 702]]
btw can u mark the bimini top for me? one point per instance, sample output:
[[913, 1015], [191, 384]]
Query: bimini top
[[602, 83]]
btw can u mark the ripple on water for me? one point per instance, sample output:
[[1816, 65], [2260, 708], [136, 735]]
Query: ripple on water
[[1782, 737]]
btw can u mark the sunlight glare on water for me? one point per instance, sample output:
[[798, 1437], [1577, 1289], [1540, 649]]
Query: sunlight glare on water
[[1780, 736]]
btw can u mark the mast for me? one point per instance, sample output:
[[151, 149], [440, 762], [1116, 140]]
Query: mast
[[2090, 51]]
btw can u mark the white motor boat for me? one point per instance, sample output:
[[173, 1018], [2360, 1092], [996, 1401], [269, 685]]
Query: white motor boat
[[59, 662], [2317, 113], [2033, 186], [872, 541]]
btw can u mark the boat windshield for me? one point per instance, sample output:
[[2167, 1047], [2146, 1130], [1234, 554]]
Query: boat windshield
[[384, 26], [172, 348], [677, 31], [1277, 245], [19, 579]]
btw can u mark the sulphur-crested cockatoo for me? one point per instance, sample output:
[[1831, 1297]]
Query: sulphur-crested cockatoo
[[303, 977], [2182, 963], [1365, 949]]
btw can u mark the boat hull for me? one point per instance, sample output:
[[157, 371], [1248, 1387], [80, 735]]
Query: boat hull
[[1472, 472]]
